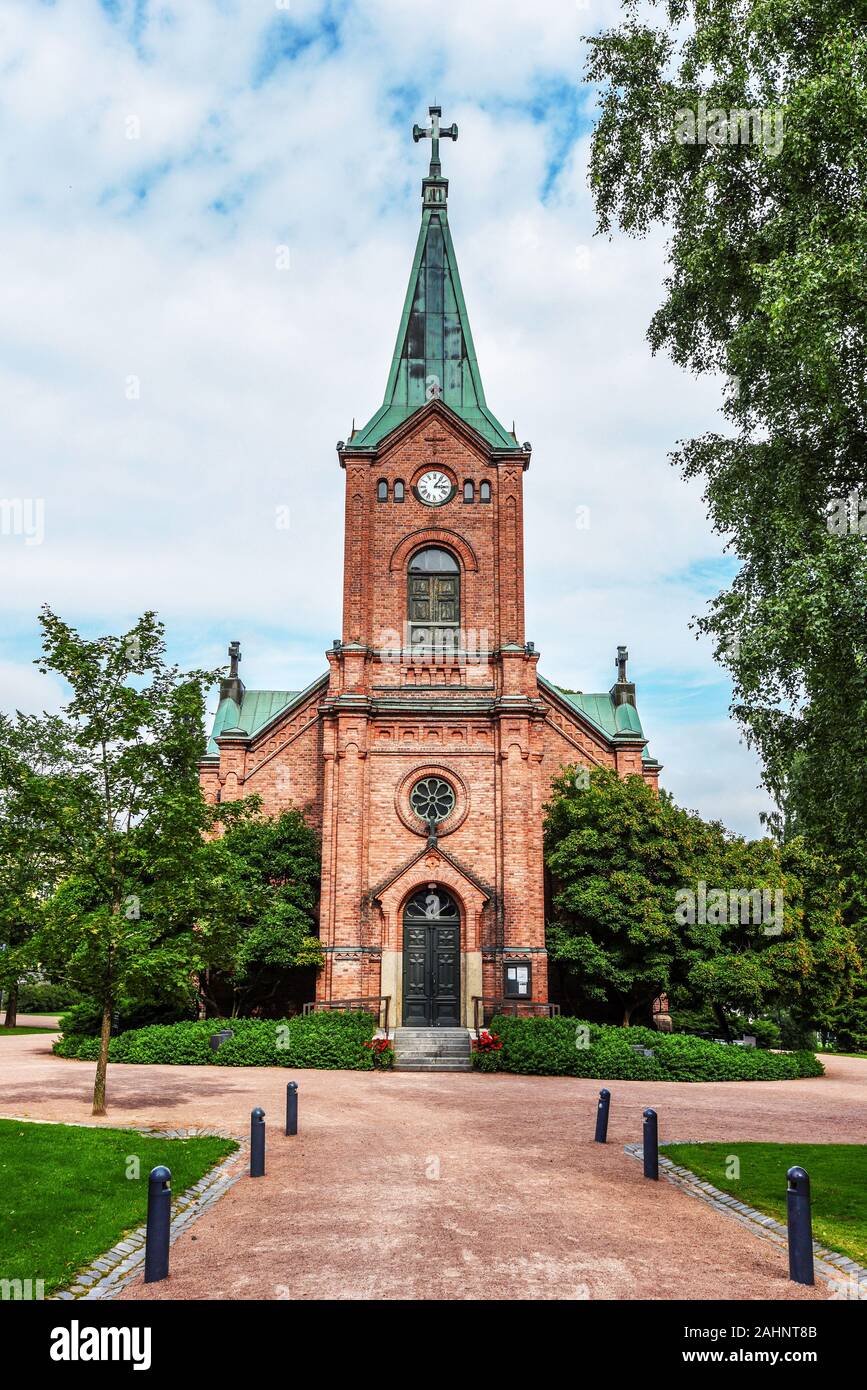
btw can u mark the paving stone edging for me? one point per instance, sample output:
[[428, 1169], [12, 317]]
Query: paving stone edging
[[830, 1265], [117, 1267]]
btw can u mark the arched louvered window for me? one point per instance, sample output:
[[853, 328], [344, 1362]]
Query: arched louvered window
[[434, 599]]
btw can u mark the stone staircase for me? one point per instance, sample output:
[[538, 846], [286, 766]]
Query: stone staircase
[[432, 1049]]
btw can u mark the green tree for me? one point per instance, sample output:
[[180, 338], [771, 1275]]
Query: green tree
[[139, 909], [35, 833], [616, 857], [767, 285], [797, 953], [274, 867], [649, 898]]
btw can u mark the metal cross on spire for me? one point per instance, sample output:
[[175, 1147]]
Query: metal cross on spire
[[435, 132]]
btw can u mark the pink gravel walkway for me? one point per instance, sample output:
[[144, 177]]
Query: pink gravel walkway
[[460, 1186]]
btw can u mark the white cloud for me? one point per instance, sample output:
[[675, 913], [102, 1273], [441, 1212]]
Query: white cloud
[[248, 374], [23, 688]]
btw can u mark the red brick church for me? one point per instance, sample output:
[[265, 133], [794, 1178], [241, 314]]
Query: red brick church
[[424, 755]]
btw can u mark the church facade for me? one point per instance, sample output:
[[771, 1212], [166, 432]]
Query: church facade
[[425, 753]]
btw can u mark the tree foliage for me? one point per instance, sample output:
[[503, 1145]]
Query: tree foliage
[[137, 904], [273, 865], [36, 830], [625, 863], [767, 284]]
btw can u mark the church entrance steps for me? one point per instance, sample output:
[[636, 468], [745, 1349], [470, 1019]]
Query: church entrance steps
[[432, 1049]]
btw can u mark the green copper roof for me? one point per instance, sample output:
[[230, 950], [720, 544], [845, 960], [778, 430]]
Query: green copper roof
[[434, 356], [257, 709], [601, 711]]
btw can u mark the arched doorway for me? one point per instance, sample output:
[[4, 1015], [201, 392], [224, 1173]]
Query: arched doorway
[[431, 959]]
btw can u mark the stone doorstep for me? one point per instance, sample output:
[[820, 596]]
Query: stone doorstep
[[449, 1054], [434, 1064], [828, 1264], [436, 1042]]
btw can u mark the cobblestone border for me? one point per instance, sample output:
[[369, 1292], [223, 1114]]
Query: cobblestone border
[[117, 1267], [829, 1264]]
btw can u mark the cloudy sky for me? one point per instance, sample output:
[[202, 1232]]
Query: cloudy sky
[[209, 210]]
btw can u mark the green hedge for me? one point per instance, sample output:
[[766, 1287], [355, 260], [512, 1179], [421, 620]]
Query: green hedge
[[85, 1017], [555, 1047], [36, 998], [325, 1040]]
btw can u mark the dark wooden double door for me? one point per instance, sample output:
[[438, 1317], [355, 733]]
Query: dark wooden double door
[[431, 960]]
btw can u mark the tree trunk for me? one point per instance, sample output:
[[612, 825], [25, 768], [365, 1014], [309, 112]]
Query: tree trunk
[[719, 1013], [11, 1007], [102, 1063], [627, 1014], [201, 1004]]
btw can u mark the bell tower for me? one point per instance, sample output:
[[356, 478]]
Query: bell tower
[[432, 688], [433, 471]]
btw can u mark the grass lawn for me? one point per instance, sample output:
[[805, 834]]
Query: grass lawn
[[67, 1196], [18, 1032], [838, 1184]]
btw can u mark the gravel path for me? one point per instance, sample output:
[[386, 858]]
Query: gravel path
[[461, 1186]]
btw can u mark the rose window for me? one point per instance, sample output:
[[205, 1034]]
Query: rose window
[[432, 799]]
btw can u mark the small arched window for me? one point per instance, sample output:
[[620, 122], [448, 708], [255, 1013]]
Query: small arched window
[[485, 492], [382, 490], [469, 491], [399, 490]]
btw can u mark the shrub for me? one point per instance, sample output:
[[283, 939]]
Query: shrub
[[324, 1040], [85, 1016], [567, 1047], [39, 998], [764, 1030], [381, 1052], [486, 1051]]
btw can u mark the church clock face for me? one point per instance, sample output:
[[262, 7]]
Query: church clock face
[[434, 488]]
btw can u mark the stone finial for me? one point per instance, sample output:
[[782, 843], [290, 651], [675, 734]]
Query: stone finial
[[231, 686], [623, 690]]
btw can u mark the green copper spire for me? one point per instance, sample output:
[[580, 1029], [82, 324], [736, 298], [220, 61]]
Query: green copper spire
[[434, 357]]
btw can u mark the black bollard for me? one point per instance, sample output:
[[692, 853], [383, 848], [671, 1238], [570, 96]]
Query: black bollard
[[292, 1107], [257, 1143], [800, 1227], [602, 1116], [651, 1145], [158, 1226]]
